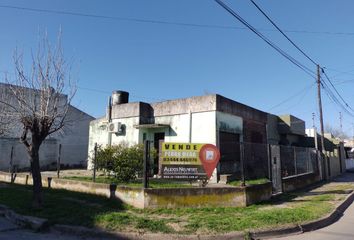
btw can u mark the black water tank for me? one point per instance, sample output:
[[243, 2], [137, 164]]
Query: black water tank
[[119, 97]]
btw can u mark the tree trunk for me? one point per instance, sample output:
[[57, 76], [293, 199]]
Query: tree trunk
[[36, 176]]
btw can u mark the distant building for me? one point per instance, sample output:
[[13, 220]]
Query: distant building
[[74, 140]]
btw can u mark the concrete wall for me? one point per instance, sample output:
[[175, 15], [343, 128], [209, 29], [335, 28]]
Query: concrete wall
[[48, 154], [291, 124], [229, 123], [272, 129], [73, 137], [258, 193], [299, 181], [334, 163], [254, 120], [97, 134], [159, 198], [349, 163], [195, 197]]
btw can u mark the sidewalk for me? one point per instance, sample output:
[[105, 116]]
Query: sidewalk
[[339, 192]]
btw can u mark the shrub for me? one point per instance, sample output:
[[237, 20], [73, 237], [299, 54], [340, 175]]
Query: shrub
[[123, 161]]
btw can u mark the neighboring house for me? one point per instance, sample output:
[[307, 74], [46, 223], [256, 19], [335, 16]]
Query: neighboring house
[[204, 119], [335, 151], [73, 140]]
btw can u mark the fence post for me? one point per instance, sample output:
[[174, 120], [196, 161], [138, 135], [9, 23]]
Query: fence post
[[12, 164], [270, 176], [242, 161], [11, 160], [58, 162], [94, 163], [146, 158], [309, 160], [319, 164]]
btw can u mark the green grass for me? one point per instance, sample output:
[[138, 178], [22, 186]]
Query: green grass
[[153, 183], [249, 182], [65, 207]]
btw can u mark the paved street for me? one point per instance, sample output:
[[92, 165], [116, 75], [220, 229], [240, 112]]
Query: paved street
[[341, 230]]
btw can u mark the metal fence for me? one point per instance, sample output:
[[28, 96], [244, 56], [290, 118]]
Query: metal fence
[[297, 160], [257, 160]]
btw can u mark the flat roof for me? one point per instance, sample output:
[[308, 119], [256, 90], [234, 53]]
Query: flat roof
[[152, 126]]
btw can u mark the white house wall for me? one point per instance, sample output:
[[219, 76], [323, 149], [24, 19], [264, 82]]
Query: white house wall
[[179, 127], [130, 135], [98, 134], [204, 127]]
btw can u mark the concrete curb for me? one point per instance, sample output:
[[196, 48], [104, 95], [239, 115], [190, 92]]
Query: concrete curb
[[37, 224], [334, 216]]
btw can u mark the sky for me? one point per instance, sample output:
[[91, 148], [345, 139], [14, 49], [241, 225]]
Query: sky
[[141, 50]]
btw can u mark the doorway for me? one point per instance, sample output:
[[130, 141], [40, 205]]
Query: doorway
[[158, 137]]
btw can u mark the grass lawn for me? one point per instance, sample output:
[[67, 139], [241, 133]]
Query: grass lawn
[[64, 207], [153, 183], [249, 182], [157, 183]]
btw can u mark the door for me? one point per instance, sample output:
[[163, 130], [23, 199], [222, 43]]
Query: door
[[159, 136], [229, 144]]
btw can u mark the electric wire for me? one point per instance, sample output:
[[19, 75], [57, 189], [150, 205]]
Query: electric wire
[[276, 26], [109, 92], [153, 21], [270, 43], [334, 99], [324, 85], [293, 96], [335, 89]]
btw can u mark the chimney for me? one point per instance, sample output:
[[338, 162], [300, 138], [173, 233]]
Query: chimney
[[109, 110]]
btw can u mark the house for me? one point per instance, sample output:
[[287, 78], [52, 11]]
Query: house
[[203, 119], [73, 140]]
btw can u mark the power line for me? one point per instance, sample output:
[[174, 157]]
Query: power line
[[335, 89], [140, 20], [270, 43], [302, 97], [109, 92], [276, 26], [334, 99], [293, 96]]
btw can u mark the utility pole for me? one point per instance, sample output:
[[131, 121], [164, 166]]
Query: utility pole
[[321, 120], [313, 120], [353, 136], [341, 122], [314, 131]]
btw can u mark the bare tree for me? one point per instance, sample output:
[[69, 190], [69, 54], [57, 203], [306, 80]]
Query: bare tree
[[34, 105], [336, 132]]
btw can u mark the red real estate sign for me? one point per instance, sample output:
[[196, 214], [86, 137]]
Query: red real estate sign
[[209, 156]]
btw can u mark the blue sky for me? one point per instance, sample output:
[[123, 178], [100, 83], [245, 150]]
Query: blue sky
[[161, 61]]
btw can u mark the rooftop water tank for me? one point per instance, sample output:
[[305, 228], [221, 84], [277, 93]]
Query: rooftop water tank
[[120, 97]]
